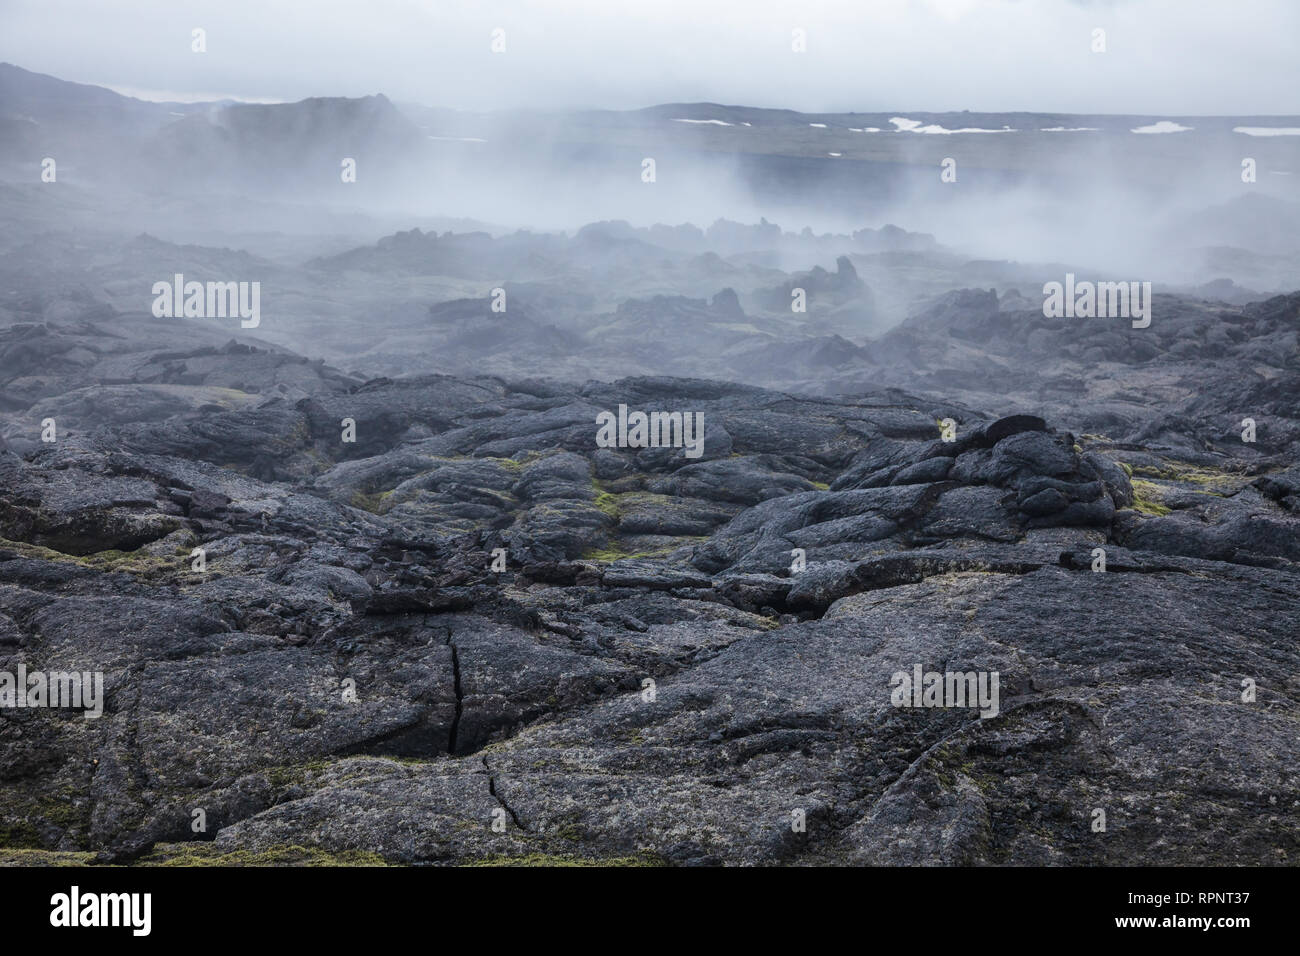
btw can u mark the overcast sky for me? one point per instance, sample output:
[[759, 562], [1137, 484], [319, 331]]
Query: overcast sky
[[1171, 57]]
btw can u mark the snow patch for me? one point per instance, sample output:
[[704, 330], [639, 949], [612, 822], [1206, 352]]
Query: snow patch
[[904, 125], [1164, 126]]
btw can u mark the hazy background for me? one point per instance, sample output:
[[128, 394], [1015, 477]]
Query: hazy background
[[770, 164], [1164, 56]]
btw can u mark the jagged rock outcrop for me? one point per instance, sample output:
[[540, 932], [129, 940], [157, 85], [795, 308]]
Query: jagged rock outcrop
[[393, 640]]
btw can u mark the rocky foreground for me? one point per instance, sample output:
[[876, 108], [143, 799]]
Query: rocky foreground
[[654, 676]]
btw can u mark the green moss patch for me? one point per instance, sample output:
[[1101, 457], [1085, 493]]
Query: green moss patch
[[1148, 498], [546, 859], [140, 562], [23, 857], [24, 817], [1206, 481], [610, 504], [374, 503], [209, 854]]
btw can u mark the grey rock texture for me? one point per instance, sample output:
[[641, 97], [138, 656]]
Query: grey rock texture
[[474, 635]]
